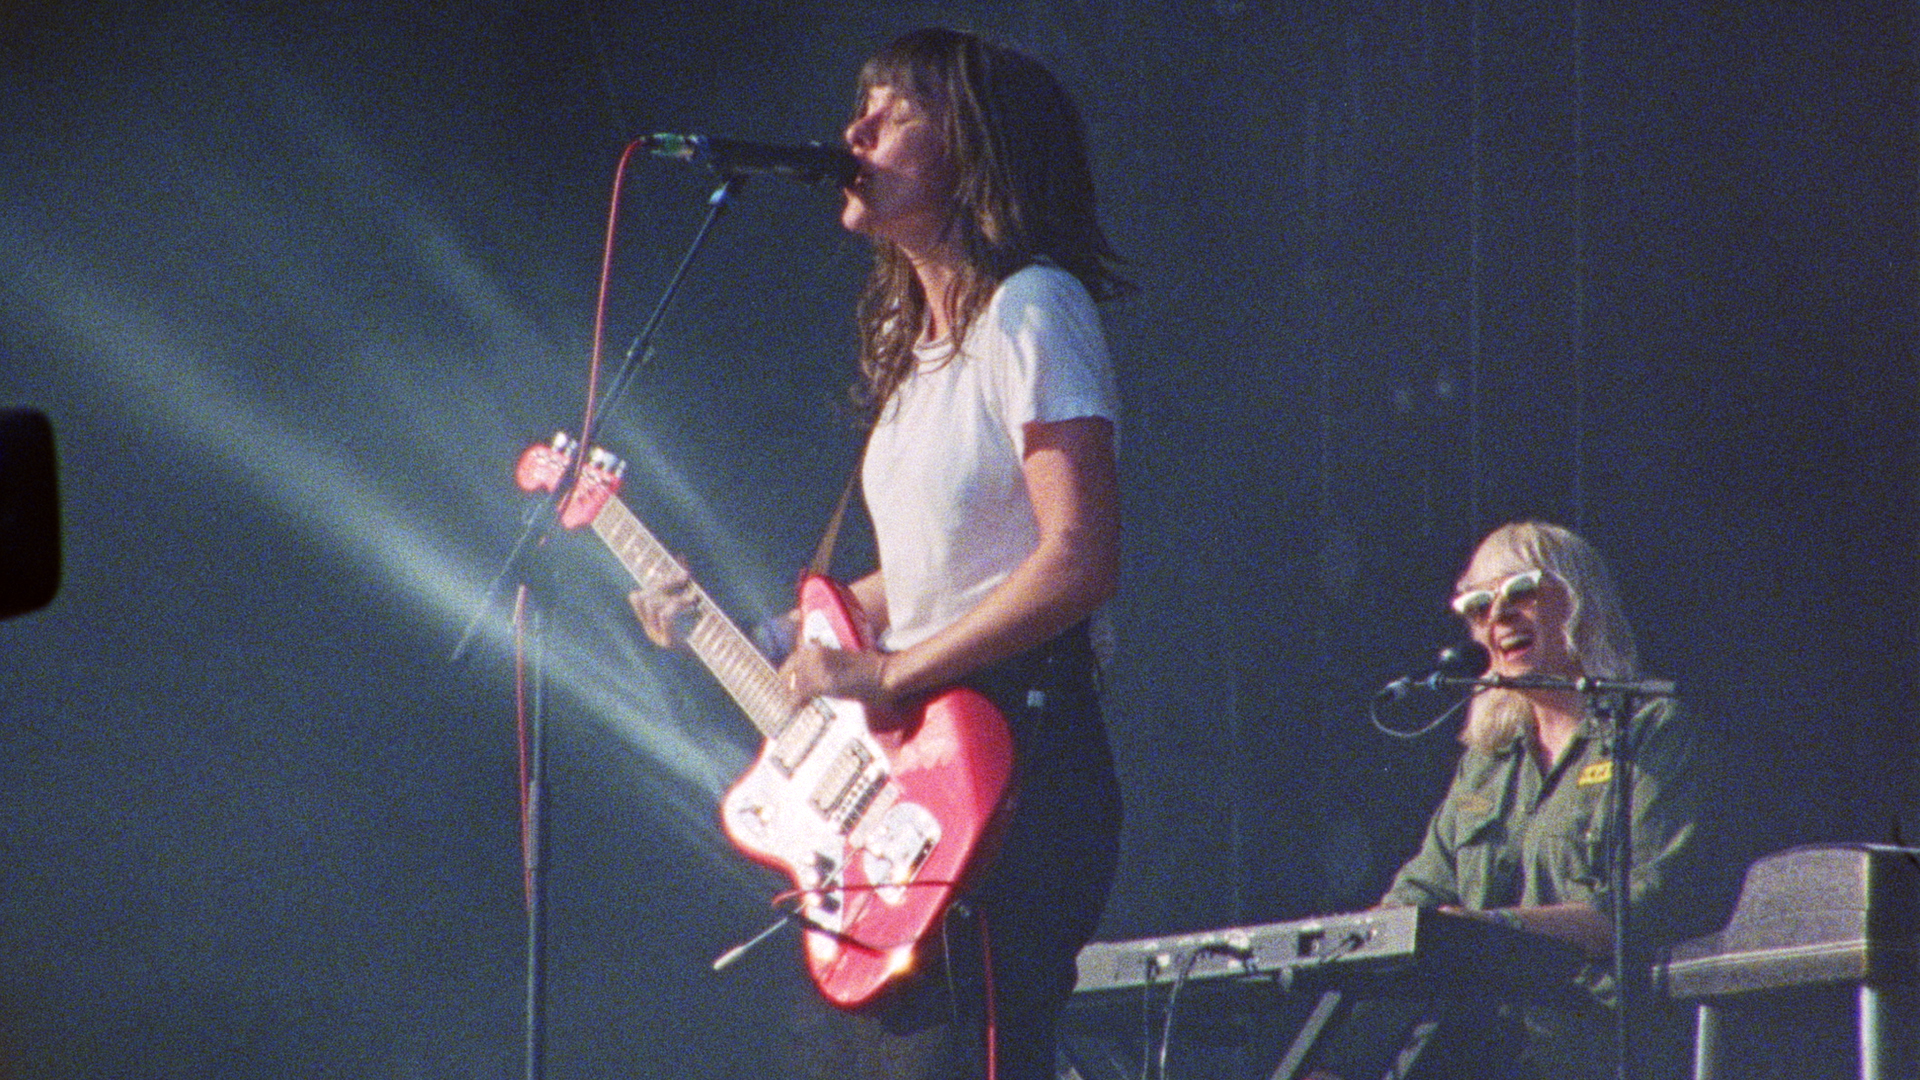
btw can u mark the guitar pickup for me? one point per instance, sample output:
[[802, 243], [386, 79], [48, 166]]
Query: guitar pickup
[[844, 782], [797, 738]]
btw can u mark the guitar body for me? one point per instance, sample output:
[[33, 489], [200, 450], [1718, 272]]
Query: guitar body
[[877, 828], [877, 824]]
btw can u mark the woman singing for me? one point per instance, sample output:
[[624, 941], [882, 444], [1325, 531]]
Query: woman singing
[[991, 482]]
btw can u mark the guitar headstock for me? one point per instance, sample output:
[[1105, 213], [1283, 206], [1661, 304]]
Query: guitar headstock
[[544, 466]]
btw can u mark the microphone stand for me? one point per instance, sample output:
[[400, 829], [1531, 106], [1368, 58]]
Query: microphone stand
[[533, 536], [1615, 702], [1620, 780], [534, 857], [638, 352]]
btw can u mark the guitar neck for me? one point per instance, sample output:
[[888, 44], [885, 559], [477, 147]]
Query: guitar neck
[[746, 675]]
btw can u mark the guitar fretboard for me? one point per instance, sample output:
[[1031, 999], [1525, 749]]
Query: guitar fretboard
[[745, 674]]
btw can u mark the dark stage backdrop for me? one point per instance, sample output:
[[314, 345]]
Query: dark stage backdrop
[[295, 282]]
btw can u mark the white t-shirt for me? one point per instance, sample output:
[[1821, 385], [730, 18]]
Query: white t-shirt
[[942, 471]]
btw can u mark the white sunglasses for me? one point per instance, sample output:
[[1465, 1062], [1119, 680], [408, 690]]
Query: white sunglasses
[[1474, 606]]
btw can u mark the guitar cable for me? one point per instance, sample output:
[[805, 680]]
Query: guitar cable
[[1191, 961], [797, 916], [1148, 1058], [1168, 1012], [989, 995], [1373, 717]]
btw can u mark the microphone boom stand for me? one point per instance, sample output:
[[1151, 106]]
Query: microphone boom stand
[[532, 537]]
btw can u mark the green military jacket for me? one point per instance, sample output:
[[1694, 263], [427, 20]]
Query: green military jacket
[[1508, 834]]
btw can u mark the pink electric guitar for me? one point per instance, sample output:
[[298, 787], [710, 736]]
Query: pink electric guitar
[[877, 828]]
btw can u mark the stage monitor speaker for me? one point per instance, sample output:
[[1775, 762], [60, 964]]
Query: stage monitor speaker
[[29, 513]]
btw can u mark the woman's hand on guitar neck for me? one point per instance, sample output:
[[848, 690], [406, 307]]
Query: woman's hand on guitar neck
[[660, 603]]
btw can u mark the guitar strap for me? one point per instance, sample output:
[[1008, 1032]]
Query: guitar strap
[[823, 554]]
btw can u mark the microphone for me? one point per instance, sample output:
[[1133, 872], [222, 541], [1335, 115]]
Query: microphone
[[811, 164], [1453, 662]]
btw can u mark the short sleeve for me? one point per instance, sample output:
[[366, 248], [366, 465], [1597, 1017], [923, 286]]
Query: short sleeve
[[1052, 358]]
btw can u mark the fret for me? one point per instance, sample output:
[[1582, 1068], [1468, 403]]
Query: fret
[[746, 676]]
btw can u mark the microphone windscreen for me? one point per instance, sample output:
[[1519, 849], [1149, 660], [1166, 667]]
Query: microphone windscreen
[[1462, 661]]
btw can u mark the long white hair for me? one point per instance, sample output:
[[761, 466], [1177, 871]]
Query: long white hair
[[1598, 636]]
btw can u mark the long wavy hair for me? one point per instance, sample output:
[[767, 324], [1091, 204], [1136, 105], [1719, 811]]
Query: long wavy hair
[[1023, 191], [1598, 636]]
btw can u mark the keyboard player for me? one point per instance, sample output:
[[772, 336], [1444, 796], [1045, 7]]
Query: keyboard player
[[1521, 836]]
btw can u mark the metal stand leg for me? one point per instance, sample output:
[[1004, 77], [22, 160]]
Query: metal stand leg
[[1417, 1040], [1874, 1061], [1326, 1012], [1706, 1042]]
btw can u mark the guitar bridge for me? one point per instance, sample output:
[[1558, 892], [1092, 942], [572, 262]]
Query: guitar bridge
[[849, 815]]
